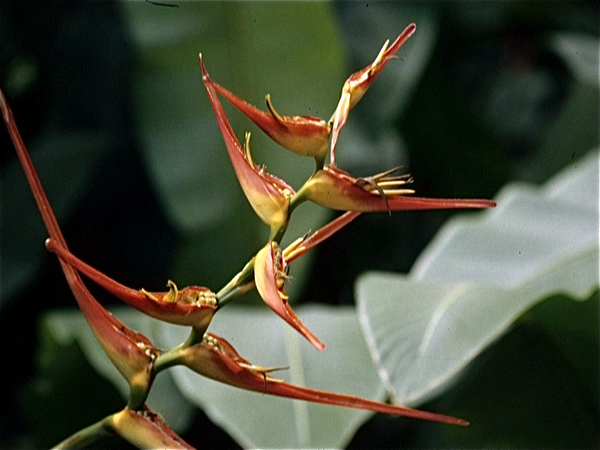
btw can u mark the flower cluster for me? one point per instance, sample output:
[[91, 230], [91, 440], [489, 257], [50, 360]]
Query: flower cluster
[[274, 201]]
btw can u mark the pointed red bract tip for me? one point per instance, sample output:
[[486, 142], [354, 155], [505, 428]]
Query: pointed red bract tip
[[402, 38], [192, 305], [323, 233], [357, 84], [269, 275], [336, 189], [215, 358], [303, 135], [268, 195], [205, 76], [131, 352]]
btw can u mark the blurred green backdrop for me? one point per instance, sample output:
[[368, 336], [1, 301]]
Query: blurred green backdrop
[[110, 101]]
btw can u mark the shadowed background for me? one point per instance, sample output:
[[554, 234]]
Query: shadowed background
[[110, 101]]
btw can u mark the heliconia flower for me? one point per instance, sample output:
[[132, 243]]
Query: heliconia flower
[[304, 135], [268, 195], [193, 305], [145, 429], [215, 358], [357, 84], [269, 276], [334, 188], [132, 353], [142, 428]]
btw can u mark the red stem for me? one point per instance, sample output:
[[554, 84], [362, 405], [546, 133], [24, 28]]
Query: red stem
[[32, 178], [102, 322], [323, 234], [119, 290]]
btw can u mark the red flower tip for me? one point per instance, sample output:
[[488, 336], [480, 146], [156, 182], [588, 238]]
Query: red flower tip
[[215, 358], [193, 306], [270, 276], [268, 195], [334, 188], [132, 353], [357, 84]]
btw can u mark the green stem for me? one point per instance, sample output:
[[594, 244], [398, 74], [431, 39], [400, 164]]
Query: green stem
[[241, 283], [319, 163], [169, 359], [232, 289], [138, 394], [300, 196], [278, 232], [88, 435], [173, 357], [236, 292]]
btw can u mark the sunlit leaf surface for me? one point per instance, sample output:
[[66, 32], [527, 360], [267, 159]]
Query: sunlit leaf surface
[[263, 421], [478, 276]]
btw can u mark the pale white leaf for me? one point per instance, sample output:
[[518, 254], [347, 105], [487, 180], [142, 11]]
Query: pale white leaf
[[477, 276], [263, 421]]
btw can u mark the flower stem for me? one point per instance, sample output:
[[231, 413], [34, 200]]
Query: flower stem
[[173, 357], [299, 197], [89, 435], [236, 285]]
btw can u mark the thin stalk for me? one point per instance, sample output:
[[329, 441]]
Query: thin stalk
[[170, 358], [236, 292], [229, 291], [173, 357], [89, 435], [299, 197]]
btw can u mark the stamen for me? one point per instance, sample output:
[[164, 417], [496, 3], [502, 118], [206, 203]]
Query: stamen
[[148, 294], [393, 192], [211, 342], [391, 183], [207, 298], [371, 182], [379, 57], [274, 113], [387, 173], [173, 294], [279, 265], [285, 191], [386, 185], [247, 150], [148, 351]]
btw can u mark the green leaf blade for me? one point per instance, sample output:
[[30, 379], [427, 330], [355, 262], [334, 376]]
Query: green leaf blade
[[477, 277], [263, 421]]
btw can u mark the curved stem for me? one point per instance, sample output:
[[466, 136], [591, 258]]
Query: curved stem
[[88, 435], [236, 292], [277, 232], [173, 357], [170, 358], [233, 288], [299, 197], [319, 163], [138, 392]]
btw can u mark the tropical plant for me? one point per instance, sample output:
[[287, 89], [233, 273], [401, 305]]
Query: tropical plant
[[139, 361], [483, 326]]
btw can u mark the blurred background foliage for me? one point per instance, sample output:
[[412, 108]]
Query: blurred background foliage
[[110, 101]]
